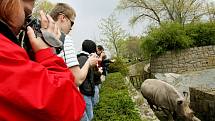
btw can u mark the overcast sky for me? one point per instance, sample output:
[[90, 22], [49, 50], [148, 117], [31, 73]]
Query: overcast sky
[[89, 15]]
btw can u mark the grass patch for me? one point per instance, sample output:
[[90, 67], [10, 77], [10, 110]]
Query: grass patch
[[115, 103]]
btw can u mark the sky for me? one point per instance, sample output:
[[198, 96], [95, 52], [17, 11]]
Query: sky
[[89, 15]]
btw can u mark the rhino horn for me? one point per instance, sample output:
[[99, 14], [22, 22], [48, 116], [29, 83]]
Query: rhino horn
[[195, 119]]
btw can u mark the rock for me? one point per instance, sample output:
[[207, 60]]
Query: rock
[[167, 77]]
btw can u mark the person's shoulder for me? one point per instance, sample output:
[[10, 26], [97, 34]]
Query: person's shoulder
[[83, 54], [68, 37], [68, 44]]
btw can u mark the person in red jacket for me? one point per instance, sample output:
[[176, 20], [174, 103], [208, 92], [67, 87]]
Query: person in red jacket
[[40, 90]]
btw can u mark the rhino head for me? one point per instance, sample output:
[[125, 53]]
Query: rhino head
[[183, 110]]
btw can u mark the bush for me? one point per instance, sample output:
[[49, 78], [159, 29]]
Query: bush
[[115, 103], [173, 36], [169, 36], [118, 66], [202, 34]]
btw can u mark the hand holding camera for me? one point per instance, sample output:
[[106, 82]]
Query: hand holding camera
[[47, 25], [93, 59]]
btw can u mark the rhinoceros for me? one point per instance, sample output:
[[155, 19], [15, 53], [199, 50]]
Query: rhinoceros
[[165, 97]]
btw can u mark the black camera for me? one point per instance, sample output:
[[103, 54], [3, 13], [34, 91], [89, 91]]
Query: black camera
[[35, 24]]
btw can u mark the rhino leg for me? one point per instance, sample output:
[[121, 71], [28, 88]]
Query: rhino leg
[[174, 115], [151, 105], [158, 108], [168, 114]]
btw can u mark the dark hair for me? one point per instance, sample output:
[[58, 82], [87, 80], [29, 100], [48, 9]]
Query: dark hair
[[100, 47], [89, 46]]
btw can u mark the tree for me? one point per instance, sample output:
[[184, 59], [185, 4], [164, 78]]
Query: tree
[[130, 47], [181, 11], [122, 47], [112, 33], [44, 5], [211, 11], [133, 47]]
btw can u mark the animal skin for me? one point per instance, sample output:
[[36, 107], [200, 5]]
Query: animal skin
[[165, 97]]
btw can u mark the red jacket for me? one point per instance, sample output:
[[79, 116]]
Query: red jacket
[[36, 91]]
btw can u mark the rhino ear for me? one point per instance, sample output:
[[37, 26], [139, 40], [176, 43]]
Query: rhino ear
[[179, 102]]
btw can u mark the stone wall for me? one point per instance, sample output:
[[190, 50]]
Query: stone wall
[[203, 103], [136, 69], [192, 59]]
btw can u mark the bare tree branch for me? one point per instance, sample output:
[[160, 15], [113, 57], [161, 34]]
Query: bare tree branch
[[161, 10]]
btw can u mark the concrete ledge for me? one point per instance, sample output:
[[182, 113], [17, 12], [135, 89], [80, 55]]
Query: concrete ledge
[[202, 101]]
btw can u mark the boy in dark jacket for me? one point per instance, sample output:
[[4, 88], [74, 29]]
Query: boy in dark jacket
[[87, 88]]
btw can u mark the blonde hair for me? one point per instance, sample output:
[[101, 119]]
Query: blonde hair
[[63, 8]]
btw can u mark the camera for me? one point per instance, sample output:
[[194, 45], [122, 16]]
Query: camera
[[34, 23], [47, 37]]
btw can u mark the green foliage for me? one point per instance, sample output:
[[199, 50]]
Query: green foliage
[[118, 66], [202, 34], [115, 103], [122, 49], [169, 36], [133, 47], [44, 5], [173, 36]]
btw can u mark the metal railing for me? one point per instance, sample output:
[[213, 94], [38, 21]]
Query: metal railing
[[137, 80]]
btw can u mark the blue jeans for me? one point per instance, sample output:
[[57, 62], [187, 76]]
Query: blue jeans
[[85, 117], [96, 95], [88, 114]]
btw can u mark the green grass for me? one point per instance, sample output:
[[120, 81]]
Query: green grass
[[115, 103]]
